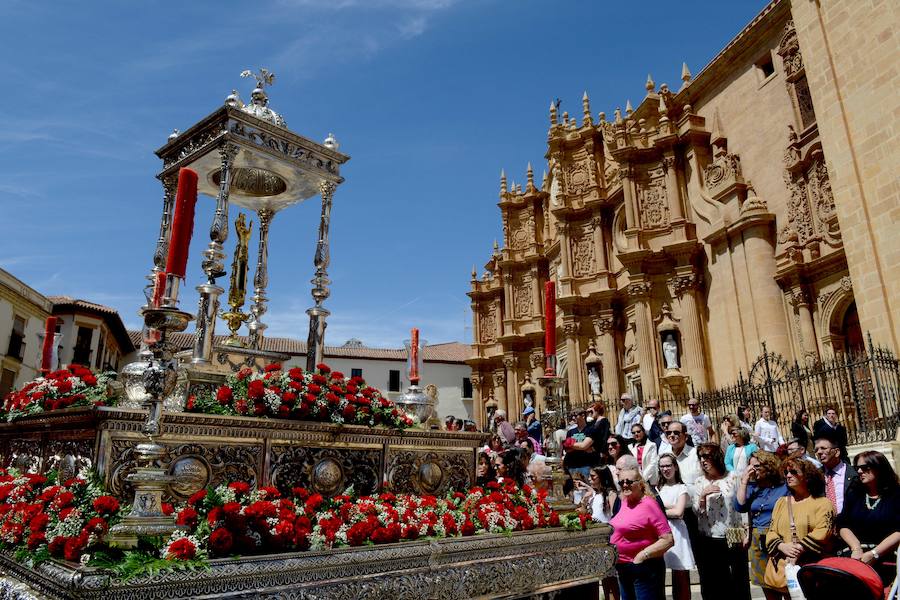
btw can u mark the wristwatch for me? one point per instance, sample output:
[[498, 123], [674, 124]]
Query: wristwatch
[[875, 554]]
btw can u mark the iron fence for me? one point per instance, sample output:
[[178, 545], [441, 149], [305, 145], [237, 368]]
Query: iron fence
[[863, 386]]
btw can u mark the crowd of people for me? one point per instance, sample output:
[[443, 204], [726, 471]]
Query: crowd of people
[[735, 500]]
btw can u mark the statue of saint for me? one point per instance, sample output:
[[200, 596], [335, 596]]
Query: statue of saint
[[594, 381], [670, 351], [238, 292]]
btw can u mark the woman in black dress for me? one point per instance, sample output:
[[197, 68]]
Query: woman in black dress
[[870, 521], [800, 429]]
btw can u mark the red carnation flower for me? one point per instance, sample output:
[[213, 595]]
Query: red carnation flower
[[224, 395], [273, 367], [57, 545], [167, 508], [300, 493], [296, 373], [337, 375], [182, 549], [74, 547], [191, 402], [323, 368], [197, 497], [241, 407], [64, 513], [554, 519], [256, 389], [259, 409], [36, 539], [468, 528], [106, 505], [97, 525], [221, 541], [39, 523], [187, 517], [239, 487], [349, 412], [89, 380], [314, 502], [63, 499], [244, 374]]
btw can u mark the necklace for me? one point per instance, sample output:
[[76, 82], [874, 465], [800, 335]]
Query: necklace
[[872, 505]]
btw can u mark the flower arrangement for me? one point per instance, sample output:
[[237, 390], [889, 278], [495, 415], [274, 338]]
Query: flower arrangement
[[73, 386], [325, 395], [42, 518]]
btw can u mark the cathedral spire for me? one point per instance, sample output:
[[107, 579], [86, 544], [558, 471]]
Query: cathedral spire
[[650, 85], [529, 185], [586, 104], [628, 109], [502, 183], [685, 74], [553, 118]]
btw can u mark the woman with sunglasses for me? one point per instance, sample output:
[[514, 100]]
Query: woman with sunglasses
[[616, 448], [760, 487], [869, 522], [722, 562], [802, 522], [676, 498], [737, 456], [598, 502], [641, 535]]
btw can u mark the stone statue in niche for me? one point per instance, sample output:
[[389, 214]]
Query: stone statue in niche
[[670, 351], [594, 381]]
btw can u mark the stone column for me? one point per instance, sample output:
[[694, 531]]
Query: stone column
[[513, 399], [536, 300], [562, 229], [628, 193], [645, 336], [801, 302], [693, 344], [573, 371], [606, 346], [599, 244], [500, 389], [536, 358], [476, 325], [477, 404], [672, 189]]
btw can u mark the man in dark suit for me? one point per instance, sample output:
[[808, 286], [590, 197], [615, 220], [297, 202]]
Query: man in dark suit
[[839, 475], [829, 425]]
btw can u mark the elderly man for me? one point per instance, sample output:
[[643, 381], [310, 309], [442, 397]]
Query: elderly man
[[504, 428], [651, 412], [521, 431], [628, 416], [662, 425], [838, 474], [698, 424], [688, 463]]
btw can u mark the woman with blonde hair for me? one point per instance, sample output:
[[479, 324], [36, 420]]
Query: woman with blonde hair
[[726, 428], [641, 535]]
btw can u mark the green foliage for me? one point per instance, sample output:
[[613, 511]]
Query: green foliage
[[138, 563], [206, 403], [32, 559]]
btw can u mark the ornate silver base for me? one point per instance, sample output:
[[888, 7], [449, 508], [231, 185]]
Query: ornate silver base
[[146, 517], [415, 402]]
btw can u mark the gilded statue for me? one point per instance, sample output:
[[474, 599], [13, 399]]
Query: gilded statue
[[237, 293]]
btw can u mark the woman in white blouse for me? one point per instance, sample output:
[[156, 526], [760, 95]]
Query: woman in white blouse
[[676, 499], [722, 562]]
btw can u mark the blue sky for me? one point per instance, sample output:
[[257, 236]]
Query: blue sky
[[431, 98]]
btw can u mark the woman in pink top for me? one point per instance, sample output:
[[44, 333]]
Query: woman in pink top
[[641, 535]]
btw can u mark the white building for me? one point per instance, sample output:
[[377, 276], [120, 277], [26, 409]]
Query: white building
[[382, 368], [91, 334]]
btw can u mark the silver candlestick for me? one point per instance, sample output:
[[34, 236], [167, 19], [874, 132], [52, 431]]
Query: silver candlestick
[[149, 479], [214, 261], [315, 343], [260, 280]]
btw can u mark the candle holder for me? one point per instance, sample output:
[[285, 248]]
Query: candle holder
[[149, 479], [414, 401]]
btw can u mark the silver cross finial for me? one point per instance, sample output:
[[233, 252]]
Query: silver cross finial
[[263, 78]]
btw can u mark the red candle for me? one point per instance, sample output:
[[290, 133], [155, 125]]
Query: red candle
[[414, 357], [47, 349], [549, 319], [182, 223], [159, 289]]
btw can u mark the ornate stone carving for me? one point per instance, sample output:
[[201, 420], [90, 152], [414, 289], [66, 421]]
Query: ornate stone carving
[[429, 472], [499, 378], [640, 290], [579, 177], [487, 325], [789, 50], [536, 358], [799, 223], [328, 471], [583, 263], [570, 329], [475, 378], [682, 283], [846, 283], [510, 362], [724, 170], [654, 205], [521, 233], [603, 325], [799, 297], [824, 200], [522, 298]]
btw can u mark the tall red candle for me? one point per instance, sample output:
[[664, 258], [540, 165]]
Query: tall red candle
[[182, 223], [47, 349], [414, 357], [159, 289], [549, 319]]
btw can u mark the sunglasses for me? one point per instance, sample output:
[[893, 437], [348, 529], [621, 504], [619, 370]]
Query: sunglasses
[[666, 466], [613, 444], [705, 456], [626, 482], [673, 433], [793, 472], [693, 405], [863, 468], [652, 408]]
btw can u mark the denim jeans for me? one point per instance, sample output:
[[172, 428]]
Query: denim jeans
[[646, 581]]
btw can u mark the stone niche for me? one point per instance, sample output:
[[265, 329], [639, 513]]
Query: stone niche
[[211, 449]]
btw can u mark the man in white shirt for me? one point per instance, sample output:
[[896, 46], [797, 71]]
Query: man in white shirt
[[651, 410], [686, 456], [628, 416], [698, 424], [766, 431]]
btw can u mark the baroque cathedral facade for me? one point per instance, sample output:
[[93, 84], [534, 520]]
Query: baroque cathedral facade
[[706, 212]]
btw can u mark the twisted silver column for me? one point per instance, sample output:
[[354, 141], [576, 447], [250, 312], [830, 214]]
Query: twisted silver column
[[315, 342], [260, 280], [214, 262]]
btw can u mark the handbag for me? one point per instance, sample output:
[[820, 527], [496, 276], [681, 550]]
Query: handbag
[[782, 573]]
